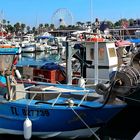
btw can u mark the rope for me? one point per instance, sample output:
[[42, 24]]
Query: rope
[[130, 98], [55, 91], [96, 136]]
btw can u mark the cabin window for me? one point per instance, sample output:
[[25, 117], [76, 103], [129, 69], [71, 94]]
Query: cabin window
[[100, 53], [91, 53], [112, 52]]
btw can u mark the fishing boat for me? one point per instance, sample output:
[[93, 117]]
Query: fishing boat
[[28, 48], [126, 81], [47, 42], [33, 108]]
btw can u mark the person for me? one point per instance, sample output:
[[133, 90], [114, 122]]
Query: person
[[97, 24]]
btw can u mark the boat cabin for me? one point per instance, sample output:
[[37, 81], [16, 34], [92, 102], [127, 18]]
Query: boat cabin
[[102, 57], [8, 58]]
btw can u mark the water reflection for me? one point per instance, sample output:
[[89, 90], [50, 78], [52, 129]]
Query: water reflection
[[21, 137], [39, 58]]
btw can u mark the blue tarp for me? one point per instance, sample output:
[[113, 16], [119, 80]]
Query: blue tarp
[[52, 66], [45, 37], [136, 41]]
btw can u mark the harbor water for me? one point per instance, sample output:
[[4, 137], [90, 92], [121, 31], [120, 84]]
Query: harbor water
[[38, 58]]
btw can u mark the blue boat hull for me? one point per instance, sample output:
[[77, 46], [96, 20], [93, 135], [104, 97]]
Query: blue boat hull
[[46, 118]]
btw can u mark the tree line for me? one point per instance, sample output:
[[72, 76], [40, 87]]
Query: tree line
[[21, 28]]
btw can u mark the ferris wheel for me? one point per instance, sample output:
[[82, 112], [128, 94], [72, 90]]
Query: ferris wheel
[[62, 17]]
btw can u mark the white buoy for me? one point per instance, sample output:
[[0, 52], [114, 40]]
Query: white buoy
[[27, 129], [18, 74], [81, 82], [70, 102]]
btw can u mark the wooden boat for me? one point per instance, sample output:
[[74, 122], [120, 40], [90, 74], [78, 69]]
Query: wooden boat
[[49, 110]]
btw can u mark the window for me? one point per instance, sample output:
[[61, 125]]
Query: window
[[112, 52], [101, 53], [91, 53]]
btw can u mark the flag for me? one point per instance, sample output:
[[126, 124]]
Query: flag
[[124, 24]]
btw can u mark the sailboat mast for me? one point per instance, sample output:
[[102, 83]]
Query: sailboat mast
[[1, 22]]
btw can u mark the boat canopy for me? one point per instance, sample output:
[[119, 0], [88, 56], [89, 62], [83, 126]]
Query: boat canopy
[[9, 51], [45, 37], [122, 43]]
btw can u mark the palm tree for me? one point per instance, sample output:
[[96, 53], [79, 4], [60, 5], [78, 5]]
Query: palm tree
[[40, 28], [28, 29], [131, 22], [46, 26], [41, 25], [8, 22], [22, 27], [117, 24], [82, 24], [10, 29], [78, 23], [52, 27], [34, 31], [17, 27], [88, 23], [4, 21], [62, 27]]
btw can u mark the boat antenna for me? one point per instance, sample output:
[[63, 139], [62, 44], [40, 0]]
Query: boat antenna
[[91, 13], [1, 22]]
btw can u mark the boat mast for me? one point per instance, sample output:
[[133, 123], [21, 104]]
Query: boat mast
[[96, 62], [91, 13], [1, 22]]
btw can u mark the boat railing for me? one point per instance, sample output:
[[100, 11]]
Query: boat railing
[[58, 92], [57, 98], [26, 88], [84, 97]]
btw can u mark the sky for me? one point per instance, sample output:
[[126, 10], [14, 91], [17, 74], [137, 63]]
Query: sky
[[34, 12]]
